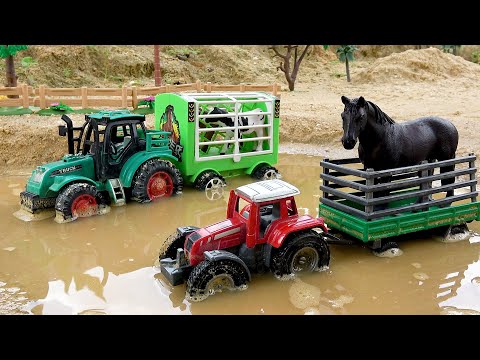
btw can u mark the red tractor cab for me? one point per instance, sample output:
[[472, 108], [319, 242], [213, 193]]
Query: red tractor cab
[[263, 231]]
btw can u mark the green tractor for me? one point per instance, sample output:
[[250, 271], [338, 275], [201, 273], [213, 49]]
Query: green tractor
[[111, 158]]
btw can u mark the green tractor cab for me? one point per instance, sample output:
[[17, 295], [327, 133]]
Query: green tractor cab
[[112, 157]]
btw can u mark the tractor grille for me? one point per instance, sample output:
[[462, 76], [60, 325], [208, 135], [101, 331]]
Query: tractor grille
[[33, 202], [191, 239]]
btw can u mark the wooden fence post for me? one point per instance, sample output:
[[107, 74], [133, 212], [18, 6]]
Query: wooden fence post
[[198, 86], [208, 87], [275, 89], [168, 88], [242, 87], [25, 99], [124, 97], [134, 97], [84, 92], [473, 188], [41, 96], [369, 194]]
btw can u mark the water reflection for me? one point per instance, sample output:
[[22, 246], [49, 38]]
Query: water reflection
[[106, 264]]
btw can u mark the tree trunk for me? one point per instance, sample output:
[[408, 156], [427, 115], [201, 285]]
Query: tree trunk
[[291, 84], [454, 50], [11, 75], [156, 65], [348, 69]]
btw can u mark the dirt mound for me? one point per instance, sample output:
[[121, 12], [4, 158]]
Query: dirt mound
[[116, 65], [418, 65]]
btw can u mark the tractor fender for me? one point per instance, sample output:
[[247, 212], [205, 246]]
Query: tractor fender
[[216, 255], [252, 168], [62, 181], [195, 176], [280, 232], [134, 162]]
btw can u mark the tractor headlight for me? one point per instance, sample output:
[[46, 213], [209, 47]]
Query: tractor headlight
[[38, 174]]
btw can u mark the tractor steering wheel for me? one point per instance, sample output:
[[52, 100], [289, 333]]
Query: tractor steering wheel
[[113, 149]]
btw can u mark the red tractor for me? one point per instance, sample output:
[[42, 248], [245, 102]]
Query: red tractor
[[262, 232]]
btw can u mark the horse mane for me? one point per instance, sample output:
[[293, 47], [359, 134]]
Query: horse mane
[[380, 116]]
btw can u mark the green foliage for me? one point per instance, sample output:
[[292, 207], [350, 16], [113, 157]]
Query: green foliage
[[11, 50], [28, 61], [187, 51], [148, 102], [476, 56], [67, 72], [60, 107], [346, 52], [325, 47]]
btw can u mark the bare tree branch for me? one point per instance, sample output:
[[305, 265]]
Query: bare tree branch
[[285, 65]]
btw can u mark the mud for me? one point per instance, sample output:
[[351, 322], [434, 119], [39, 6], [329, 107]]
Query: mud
[[108, 264]]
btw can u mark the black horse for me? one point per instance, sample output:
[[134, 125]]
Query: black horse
[[384, 144]]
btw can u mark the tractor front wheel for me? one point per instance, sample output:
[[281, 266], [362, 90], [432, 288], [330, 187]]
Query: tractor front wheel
[[303, 252], [156, 179], [210, 277], [78, 200], [169, 248]]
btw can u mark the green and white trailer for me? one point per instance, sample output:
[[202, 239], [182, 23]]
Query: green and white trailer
[[197, 145]]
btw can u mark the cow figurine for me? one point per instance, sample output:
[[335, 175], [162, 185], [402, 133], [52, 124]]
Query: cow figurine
[[243, 120]]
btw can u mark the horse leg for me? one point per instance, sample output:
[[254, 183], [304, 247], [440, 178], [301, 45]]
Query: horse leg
[[383, 193], [450, 180]]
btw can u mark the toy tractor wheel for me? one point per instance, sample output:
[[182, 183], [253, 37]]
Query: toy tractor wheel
[[212, 183], [210, 277], [156, 179], [169, 248], [302, 252], [265, 172], [78, 200]]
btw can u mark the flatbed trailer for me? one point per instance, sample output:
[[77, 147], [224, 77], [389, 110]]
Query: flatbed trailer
[[373, 205]]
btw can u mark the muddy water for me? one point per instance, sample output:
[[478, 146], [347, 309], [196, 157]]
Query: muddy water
[[105, 264]]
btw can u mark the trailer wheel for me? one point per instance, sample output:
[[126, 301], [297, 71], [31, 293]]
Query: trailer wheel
[[265, 172], [78, 200], [170, 246], [212, 183], [302, 252], [210, 277], [156, 179]]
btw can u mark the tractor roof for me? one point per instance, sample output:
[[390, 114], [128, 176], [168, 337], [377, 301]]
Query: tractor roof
[[267, 190], [108, 116]]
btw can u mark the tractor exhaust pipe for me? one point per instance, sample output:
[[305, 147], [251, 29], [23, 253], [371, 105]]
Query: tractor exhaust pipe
[[68, 130]]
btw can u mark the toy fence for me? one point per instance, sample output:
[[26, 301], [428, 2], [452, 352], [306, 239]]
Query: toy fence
[[124, 97], [359, 192]]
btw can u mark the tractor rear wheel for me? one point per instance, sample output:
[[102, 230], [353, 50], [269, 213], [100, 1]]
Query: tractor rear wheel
[[302, 252], [78, 200], [170, 246], [265, 172], [156, 179], [210, 277]]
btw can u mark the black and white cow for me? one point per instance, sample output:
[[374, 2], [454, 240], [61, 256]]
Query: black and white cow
[[244, 120]]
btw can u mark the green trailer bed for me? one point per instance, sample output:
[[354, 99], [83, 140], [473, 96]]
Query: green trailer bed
[[358, 203]]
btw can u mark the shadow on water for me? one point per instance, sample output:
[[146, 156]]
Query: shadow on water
[[106, 264]]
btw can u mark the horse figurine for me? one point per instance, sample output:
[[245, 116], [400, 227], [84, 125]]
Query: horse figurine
[[385, 144], [243, 120]]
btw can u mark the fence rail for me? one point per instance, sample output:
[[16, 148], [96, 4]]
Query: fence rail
[[123, 97], [412, 193]]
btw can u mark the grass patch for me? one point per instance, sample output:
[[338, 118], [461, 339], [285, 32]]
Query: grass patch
[[143, 111], [11, 110]]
